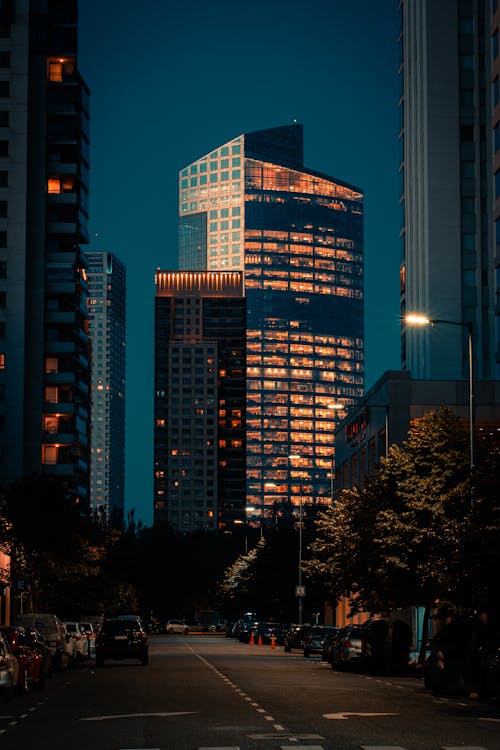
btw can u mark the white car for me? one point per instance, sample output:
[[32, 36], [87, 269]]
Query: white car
[[177, 626], [87, 631], [74, 642]]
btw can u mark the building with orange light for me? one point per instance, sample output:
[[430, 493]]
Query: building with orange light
[[250, 205], [199, 404], [44, 163]]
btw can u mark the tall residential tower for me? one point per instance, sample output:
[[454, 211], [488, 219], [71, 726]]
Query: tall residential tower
[[448, 266], [107, 317], [199, 407], [44, 163], [250, 205]]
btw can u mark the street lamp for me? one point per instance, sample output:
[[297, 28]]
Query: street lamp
[[422, 320], [333, 407], [300, 589], [267, 486]]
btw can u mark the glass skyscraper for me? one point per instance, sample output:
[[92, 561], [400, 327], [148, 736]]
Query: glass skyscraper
[[297, 235]]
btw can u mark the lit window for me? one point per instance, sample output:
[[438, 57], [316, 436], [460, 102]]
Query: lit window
[[54, 186], [49, 454]]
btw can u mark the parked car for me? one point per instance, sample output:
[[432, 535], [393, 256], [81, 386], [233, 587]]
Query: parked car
[[30, 673], [70, 648], [328, 641], [266, 630], [121, 638], [346, 648], [9, 669], [38, 644], [88, 632], [294, 637], [177, 626], [81, 646], [314, 639], [52, 630]]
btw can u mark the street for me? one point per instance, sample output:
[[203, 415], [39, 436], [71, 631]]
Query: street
[[207, 692]]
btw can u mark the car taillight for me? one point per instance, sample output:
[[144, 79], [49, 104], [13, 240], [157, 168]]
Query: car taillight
[[347, 643]]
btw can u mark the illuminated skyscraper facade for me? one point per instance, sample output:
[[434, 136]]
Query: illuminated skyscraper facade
[[107, 321], [297, 235], [199, 406]]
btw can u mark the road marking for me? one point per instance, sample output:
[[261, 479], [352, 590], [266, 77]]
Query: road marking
[[348, 714], [489, 718], [279, 728], [383, 747], [303, 747], [462, 747], [289, 737], [232, 747], [160, 714], [269, 718]]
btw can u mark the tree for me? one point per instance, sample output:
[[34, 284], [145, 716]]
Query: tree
[[411, 536], [52, 543]]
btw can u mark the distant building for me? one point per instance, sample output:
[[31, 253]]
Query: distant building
[[449, 252], [199, 406], [44, 163], [297, 235], [383, 417], [107, 317]]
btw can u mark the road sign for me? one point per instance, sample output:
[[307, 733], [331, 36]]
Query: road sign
[[300, 590]]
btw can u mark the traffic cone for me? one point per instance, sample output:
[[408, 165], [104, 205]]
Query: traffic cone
[[273, 642], [259, 642], [252, 639]]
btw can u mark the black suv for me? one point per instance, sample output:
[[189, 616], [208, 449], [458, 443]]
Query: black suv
[[121, 638]]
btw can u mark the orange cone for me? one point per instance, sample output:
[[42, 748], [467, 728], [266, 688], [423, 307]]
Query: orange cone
[[273, 642], [259, 642], [252, 639]]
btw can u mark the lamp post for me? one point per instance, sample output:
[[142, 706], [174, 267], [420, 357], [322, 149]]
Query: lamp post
[[267, 486], [422, 320], [334, 407], [300, 589]]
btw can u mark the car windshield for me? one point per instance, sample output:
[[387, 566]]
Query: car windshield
[[117, 627]]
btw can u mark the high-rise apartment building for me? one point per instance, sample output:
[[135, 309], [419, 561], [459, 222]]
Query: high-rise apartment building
[[44, 162], [495, 54], [107, 282], [250, 205], [199, 406], [448, 267]]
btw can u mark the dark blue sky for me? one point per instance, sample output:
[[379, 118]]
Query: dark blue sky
[[171, 81]]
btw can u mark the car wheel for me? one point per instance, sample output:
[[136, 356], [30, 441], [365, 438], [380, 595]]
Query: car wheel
[[99, 661], [186, 631], [287, 649], [145, 660], [170, 630], [306, 652]]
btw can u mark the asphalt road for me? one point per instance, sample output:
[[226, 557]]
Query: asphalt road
[[213, 693]]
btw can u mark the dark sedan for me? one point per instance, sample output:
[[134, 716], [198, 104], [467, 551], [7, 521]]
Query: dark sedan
[[121, 639]]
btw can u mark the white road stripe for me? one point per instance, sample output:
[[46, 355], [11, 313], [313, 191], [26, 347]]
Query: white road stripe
[[161, 714], [232, 747], [302, 747], [462, 747], [383, 747]]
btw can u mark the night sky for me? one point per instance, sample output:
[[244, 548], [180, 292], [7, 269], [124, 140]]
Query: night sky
[[171, 81]]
